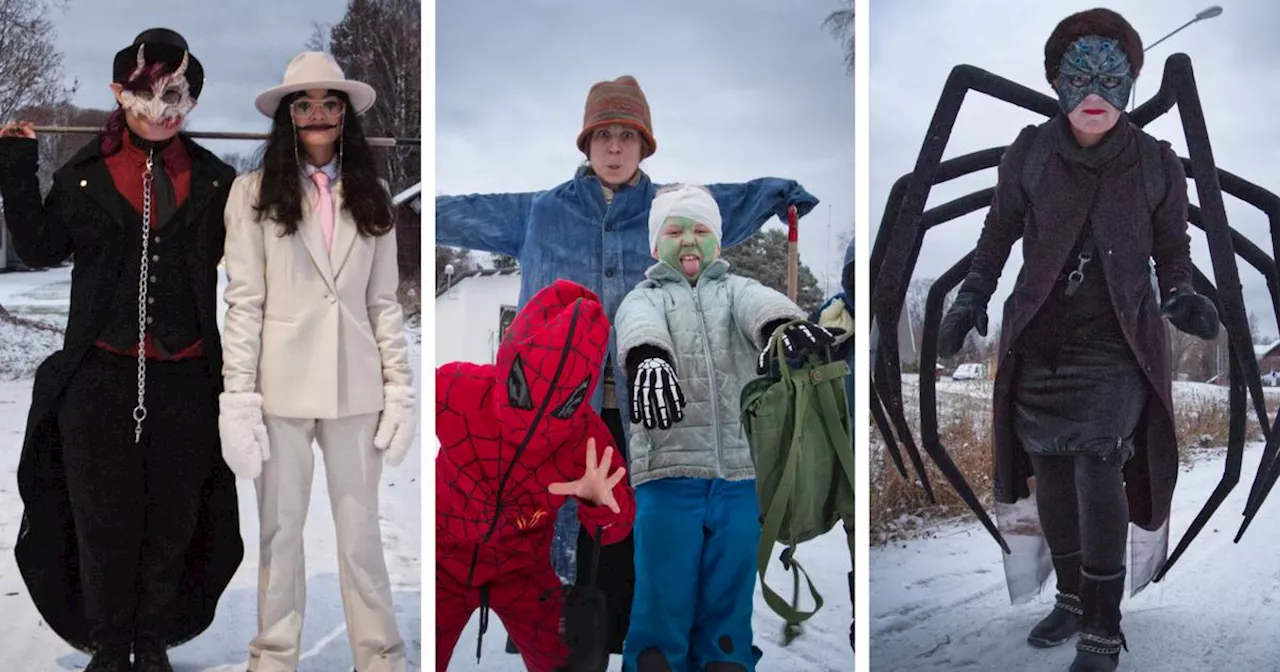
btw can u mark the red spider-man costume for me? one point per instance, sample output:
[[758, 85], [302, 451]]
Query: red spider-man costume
[[507, 431]]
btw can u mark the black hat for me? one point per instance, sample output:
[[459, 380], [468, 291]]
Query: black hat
[[162, 45]]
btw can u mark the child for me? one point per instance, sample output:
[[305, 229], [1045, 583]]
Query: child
[[697, 519], [513, 436]]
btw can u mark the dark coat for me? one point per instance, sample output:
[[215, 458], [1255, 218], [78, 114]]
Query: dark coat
[[82, 216], [1103, 184]]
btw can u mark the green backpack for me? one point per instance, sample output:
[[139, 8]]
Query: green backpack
[[798, 428]]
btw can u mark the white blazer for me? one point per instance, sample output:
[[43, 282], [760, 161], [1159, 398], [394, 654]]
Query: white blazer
[[316, 334]]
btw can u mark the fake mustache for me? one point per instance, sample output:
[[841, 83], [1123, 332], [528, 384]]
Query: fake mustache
[[318, 127]]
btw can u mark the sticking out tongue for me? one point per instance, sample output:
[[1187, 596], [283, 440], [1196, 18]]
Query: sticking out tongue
[[690, 264]]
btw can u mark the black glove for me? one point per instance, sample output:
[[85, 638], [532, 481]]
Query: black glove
[[1191, 313], [967, 312], [798, 340], [656, 397]]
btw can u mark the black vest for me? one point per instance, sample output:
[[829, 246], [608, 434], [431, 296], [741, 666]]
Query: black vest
[[172, 318]]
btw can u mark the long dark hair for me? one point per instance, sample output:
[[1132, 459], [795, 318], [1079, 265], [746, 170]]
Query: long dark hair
[[114, 128], [280, 193]]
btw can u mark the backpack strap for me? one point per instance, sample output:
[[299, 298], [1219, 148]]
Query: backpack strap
[[1037, 157], [1151, 157]]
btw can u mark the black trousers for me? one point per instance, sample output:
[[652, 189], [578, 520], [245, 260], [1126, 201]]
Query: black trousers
[[617, 572], [135, 504]]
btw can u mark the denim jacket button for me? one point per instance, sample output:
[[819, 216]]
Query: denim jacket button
[[608, 273]]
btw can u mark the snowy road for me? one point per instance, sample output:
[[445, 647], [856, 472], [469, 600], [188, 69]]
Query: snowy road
[[30, 646], [941, 603]]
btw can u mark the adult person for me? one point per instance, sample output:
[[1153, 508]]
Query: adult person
[[131, 528], [315, 352], [1083, 392]]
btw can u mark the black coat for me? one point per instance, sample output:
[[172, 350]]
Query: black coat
[[1128, 234], [82, 216]]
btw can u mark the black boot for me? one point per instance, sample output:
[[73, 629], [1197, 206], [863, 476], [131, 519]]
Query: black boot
[[511, 645], [151, 660], [1064, 621], [1100, 637], [110, 659]]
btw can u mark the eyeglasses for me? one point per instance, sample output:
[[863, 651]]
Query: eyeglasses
[[330, 107]]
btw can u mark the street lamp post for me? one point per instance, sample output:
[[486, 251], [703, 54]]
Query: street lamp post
[[1206, 13]]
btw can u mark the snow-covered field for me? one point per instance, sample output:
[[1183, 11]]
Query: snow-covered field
[[30, 646], [941, 604]]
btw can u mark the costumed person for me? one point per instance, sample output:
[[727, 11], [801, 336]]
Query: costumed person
[[1083, 391], [315, 351], [593, 230], [130, 531], [691, 337], [517, 438]]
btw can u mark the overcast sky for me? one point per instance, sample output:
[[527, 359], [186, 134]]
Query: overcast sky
[[1235, 56], [244, 46], [738, 89]]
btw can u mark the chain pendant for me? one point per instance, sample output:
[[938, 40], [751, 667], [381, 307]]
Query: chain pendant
[[140, 411]]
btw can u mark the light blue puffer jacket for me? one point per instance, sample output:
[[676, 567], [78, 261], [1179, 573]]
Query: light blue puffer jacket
[[712, 331]]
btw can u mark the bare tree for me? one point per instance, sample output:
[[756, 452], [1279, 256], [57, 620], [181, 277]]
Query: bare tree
[[379, 42], [31, 76], [840, 24], [30, 63]]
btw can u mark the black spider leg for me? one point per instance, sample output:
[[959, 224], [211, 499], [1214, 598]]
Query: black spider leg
[[1269, 203], [889, 383], [1179, 77], [894, 258], [1238, 412], [882, 423], [1238, 416], [929, 435]]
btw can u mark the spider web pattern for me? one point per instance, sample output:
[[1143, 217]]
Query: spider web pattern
[[494, 516]]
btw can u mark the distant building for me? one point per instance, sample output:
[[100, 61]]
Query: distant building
[[472, 313]]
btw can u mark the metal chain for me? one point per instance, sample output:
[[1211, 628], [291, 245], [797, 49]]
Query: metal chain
[[140, 411]]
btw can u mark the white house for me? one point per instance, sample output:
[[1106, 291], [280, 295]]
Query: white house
[[472, 313]]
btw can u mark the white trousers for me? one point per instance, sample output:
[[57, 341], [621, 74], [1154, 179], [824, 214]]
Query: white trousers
[[352, 468]]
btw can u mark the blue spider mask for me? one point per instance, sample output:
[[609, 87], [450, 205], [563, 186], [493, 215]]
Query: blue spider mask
[[1094, 64]]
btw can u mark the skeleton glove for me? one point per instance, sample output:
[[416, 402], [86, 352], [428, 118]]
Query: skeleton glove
[[656, 397], [967, 312], [798, 340], [1191, 313]]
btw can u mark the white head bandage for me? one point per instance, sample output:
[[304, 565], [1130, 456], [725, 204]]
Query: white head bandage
[[687, 200]]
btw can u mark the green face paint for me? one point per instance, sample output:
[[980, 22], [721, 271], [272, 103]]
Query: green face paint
[[687, 246]]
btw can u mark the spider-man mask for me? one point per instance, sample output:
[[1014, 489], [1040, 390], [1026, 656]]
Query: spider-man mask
[[548, 365]]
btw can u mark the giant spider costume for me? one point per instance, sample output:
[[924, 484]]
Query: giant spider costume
[[1149, 476], [507, 432]]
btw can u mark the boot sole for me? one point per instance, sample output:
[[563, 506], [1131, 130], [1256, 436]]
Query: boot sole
[[1041, 643]]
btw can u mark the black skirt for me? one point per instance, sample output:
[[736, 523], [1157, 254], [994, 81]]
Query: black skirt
[[1086, 400]]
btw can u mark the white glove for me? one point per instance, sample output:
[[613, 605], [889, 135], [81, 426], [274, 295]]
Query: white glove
[[244, 436], [396, 427]]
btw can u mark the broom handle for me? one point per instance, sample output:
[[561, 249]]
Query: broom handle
[[221, 135], [793, 253]]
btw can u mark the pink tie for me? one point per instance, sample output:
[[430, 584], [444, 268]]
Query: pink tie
[[326, 207]]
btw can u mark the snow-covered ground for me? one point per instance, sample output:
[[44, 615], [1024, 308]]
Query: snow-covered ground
[[941, 603], [30, 646]]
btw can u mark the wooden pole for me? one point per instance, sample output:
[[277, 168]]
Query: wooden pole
[[220, 135], [793, 253]]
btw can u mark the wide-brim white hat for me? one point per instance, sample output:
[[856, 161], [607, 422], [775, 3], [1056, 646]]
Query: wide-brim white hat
[[315, 70]]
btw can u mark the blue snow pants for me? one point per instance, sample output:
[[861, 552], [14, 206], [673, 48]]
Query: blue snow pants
[[695, 576]]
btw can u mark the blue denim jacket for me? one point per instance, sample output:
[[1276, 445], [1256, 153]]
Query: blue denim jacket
[[570, 232]]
